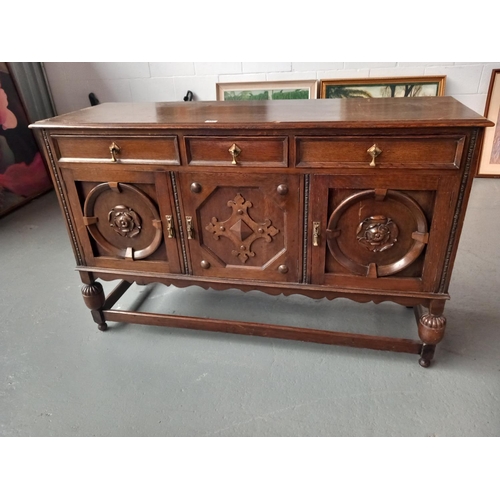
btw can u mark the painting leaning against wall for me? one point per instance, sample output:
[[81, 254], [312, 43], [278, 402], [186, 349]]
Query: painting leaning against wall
[[430, 86], [23, 174], [489, 165], [265, 95], [267, 91]]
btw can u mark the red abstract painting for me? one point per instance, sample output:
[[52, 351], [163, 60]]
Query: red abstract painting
[[23, 174]]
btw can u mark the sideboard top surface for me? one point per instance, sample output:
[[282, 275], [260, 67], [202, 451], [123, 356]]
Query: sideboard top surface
[[328, 113]]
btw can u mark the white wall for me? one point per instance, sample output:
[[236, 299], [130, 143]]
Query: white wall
[[71, 83]]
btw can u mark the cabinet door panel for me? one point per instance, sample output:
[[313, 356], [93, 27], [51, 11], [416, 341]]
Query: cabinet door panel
[[121, 219], [379, 232], [243, 227]]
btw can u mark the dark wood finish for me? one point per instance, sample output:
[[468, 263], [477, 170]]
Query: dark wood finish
[[274, 331], [426, 355], [253, 151], [271, 115], [355, 198], [156, 149], [93, 296], [406, 152], [115, 295], [242, 226]]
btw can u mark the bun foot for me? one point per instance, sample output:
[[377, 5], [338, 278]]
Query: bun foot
[[424, 363], [426, 355], [93, 295]]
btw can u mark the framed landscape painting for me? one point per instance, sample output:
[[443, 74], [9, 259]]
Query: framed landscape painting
[[489, 164], [267, 91], [418, 86]]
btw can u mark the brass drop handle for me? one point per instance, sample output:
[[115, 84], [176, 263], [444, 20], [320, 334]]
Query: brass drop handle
[[189, 227], [316, 234], [170, 226], [235, 151], [374, 151], [114, 149]]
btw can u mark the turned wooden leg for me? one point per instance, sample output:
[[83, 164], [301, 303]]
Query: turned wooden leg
[[431, 327], [426, 355], [93, 295]]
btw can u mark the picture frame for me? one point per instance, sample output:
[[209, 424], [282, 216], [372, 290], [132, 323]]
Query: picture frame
[[273, 90], [489, 163], [414, 86]]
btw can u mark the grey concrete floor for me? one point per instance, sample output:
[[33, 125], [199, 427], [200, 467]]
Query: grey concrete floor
[[61, 376]]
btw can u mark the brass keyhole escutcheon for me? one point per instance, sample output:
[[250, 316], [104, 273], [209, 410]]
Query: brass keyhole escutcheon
[[374, 151], [114, 150], [235, 151]]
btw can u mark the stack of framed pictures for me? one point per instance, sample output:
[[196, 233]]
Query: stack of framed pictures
[[419, 86]]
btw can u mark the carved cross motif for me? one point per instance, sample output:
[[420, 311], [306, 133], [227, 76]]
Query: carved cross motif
[[241, 229]]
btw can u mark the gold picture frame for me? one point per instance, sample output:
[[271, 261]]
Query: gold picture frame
[[414, 86], [249, 91], [489, 163]]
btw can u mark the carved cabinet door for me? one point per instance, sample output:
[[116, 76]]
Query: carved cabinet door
[[124, 219], [242, 226], [383, 231]]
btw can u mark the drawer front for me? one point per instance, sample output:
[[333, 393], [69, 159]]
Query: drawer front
[[390, 152], [247, 151], [150, 149]]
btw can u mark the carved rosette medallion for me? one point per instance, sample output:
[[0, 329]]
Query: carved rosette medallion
[[377, 233], [124, 221], [241, 229]]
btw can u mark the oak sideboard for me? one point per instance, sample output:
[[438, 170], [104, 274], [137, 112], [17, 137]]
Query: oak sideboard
[[355, 198]]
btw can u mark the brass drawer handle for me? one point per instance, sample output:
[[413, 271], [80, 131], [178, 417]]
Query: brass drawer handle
[[170, 226], [316, 234], [374, 151], [114, 150], [189, 227], [235, 151]]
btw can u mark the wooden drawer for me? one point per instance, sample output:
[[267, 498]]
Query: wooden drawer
[[396, 152], [137, 149], [254, 151]]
